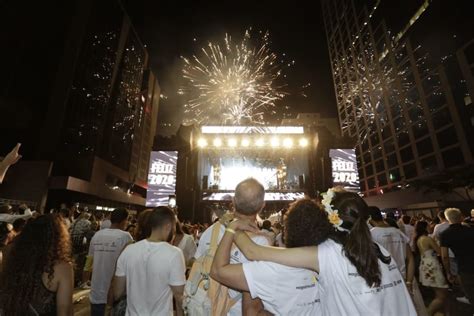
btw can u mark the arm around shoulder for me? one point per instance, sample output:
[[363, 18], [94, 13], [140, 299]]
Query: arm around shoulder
[[300, 257]]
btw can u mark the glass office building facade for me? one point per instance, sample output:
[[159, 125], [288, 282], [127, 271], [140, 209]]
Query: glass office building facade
[[406, 102]]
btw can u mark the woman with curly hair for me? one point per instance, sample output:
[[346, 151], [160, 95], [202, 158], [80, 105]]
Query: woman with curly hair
[[37, 277], [356, 275]]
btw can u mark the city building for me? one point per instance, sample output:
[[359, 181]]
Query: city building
[[403, 78], [83, 102]]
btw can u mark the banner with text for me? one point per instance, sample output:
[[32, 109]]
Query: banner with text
[[344, 169], [161, 177]]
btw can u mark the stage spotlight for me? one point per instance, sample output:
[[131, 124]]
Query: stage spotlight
[[245, 143], [275, 142], [303, 142], [288, 142], [232, 142], [202, 142], [217, 142], [260, 142]]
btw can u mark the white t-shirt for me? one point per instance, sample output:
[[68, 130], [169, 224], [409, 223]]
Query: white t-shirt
[[409, 231], [105, 224], [283, 290], [395, 242], [106, 246], [345, 292], [438, 229], [279, 241], [188, 247], [236, 256], [150, 269]]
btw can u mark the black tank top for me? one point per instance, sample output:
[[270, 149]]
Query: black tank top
[[44, 302]]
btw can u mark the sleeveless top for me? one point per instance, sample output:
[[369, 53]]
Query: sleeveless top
[[44, 302]]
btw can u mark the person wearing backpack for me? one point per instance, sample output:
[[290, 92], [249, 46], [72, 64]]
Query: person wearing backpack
[[205, 296]]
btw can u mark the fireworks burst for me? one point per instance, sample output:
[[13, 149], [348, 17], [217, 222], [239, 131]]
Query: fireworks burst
[[232, 83]]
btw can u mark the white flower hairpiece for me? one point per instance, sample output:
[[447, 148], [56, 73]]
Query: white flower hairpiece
[[333, 215]]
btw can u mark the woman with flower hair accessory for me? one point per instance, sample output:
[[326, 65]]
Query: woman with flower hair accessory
[[357, 276]]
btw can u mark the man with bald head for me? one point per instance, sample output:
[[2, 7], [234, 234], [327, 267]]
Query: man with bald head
[[248, 201]]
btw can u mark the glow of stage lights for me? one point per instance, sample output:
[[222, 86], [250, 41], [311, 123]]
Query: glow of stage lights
[[303, 142], [245, 143], [275, 142], [202, 142], [217, 142], [232, 142], [260, 142], [288, 142]]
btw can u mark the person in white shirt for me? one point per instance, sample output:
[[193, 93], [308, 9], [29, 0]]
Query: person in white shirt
[[104, 250], [283, 290], [151, 272], [437, 231], [395, 242], [7, 216], [106, 223], [186, 243], [407, 228], [356, 275], [249, 200]]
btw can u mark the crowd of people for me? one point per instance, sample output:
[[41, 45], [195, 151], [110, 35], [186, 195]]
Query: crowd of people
[[329, 256]]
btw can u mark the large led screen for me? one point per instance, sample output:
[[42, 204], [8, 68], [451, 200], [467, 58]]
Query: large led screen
[[161, 177], [344, 169]]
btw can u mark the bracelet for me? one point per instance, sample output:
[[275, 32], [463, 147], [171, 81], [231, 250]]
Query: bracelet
[[230, 230]]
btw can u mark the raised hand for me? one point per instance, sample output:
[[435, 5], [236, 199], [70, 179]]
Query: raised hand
[[12, 157]]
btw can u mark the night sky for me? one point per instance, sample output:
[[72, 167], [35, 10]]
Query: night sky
[[296, 28]]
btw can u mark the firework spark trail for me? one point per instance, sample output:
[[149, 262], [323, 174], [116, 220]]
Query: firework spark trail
[[232, 83]]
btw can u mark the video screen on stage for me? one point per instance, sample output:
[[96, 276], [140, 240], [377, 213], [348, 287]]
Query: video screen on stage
[[282, 173], [161, 177], [344, 169]]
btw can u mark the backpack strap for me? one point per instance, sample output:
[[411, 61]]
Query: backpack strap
[[215, 235]]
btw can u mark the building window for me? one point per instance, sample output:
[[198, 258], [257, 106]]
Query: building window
[[386, 133], [403, 139], [420, 129], [410, 171], [389, 146], [370, 183], [435, 100], [394, 175], [367, 158], [453, 157], [424, 147], [374, 139], [441, 118], [392, 161], [369, 170], [447, 137], [416, 113], [382, 179], [377, 152], [429, 163], [379, 166], [406, 154]]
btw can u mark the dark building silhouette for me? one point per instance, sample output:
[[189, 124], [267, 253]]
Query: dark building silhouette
[[78, 93], [403, 76]]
